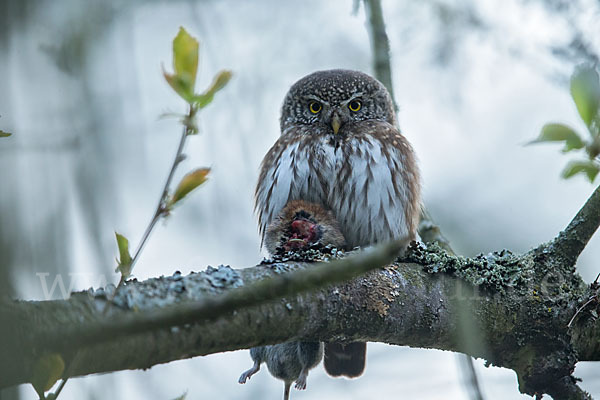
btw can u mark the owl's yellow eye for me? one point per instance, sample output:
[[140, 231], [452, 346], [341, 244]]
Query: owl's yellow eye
[[354, 105], [315, 107]]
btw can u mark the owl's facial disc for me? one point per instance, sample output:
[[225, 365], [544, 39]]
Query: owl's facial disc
[[354, 95]]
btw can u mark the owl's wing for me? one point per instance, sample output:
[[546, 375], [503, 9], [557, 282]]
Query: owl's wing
[[270, 195]]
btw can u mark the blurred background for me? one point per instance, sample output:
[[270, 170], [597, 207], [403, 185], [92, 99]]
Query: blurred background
[[82, 91]]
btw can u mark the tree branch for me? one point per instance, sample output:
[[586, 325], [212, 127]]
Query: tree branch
[[68, 337], [569, 244], [501, 307], [380, 45], [211, 307], [406, 304]]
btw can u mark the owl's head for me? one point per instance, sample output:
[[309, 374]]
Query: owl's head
[[330, 99]]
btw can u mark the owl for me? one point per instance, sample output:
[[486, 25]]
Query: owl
[[340, 148]]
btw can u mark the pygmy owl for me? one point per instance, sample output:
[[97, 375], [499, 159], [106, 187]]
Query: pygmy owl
[[340, 148]]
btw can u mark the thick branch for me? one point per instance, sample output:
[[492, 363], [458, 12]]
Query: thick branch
[[515, 315], [404, 304], [214, 306]]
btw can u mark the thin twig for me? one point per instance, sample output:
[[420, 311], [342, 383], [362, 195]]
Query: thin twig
[[580, 309], [468, 367], [60, 387], [593, 286], [161, 207]]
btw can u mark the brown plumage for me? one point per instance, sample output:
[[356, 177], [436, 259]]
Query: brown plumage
[[340, 148]]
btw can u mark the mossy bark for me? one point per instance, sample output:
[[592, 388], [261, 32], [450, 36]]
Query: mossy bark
[[498, 307]]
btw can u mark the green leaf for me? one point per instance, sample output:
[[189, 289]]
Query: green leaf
[[180, 85], [220, 81], [185, 65], [189, 182], [124, 261], [46, 371], [185, 55], [590, 168], [182, 397], [4, 134], [585, 90], [560, 133]]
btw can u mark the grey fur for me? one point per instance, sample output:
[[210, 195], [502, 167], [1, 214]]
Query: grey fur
[[287, 361]]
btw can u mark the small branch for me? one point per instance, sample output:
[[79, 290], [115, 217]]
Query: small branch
[[160, 208], [61, 386], [571, 242], [472, 379], [162, 203], [380, 45], [401, 304], [580, 309]]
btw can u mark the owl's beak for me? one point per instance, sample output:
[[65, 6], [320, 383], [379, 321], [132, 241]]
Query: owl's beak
[[336, 123]]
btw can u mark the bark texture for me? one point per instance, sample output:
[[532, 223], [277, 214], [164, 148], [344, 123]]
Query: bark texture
[[512, 310]]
